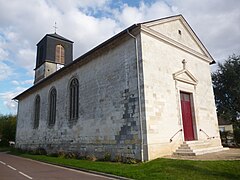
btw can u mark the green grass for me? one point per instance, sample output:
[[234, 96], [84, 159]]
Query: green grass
[[156, 169], [4, 149]]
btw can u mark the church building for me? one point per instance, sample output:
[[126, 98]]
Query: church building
[[144, 93]]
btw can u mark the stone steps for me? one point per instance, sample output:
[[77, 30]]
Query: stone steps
[[194, 148], [208, 150]]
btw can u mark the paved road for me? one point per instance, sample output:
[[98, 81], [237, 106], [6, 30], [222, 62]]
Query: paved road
[[17, 168]]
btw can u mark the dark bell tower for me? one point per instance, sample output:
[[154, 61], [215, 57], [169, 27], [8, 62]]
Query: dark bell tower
[[53, 53]]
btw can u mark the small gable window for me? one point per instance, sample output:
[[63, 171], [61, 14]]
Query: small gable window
[[179, 32], [52, 107], [74, 97], [36, 112], [59, 54]]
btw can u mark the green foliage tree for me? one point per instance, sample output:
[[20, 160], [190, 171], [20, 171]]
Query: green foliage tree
[[7, 128], [226, 85]]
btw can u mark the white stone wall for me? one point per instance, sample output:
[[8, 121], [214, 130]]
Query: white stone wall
[[108, 108], [162, 94], [172, 30], [108, 98]]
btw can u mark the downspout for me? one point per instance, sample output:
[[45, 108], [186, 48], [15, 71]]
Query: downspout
[[139, 95], [16, 120]]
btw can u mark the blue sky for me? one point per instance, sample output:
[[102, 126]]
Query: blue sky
[[90, 22]]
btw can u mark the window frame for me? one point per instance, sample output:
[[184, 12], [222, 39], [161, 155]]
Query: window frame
[[52, 107], [73, 99], [37, 107], [59, 54]]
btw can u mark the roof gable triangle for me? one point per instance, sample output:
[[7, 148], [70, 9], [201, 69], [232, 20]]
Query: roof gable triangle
[[177, 29]]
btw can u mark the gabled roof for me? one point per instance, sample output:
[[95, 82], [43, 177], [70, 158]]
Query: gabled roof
[[82, 58], [148, 24]]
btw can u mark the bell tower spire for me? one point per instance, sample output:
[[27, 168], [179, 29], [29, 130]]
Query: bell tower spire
[[53, 52]]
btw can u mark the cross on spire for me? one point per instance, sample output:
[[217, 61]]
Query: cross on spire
[[184, 63], [55, 28]]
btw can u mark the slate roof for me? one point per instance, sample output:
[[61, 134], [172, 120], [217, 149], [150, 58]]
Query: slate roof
[[55, 35]]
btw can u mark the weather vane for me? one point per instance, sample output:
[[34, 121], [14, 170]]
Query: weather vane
[[55, 27]]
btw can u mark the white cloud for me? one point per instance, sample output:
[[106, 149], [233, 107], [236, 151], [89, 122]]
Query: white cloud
[[3, 54], [5, 71], [6, 98], [216, 22], [89, 22], [64, 6], [3, 51], [23, 26], [128, 15], [27, 57], [14, 82], [26, 82], [88, 31]]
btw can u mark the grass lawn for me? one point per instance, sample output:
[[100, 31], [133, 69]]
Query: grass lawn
[[156, 169]]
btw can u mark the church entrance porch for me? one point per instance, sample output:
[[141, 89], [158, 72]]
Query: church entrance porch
[[187, 116]]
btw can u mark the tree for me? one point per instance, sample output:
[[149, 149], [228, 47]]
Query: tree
[[226, 84], [7, 128]]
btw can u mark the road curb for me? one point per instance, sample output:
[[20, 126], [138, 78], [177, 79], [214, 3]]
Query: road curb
[[89, 171], [78, 169]]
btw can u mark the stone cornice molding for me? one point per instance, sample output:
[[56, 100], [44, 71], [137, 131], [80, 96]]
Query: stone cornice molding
[[172, 42], [191, 79]]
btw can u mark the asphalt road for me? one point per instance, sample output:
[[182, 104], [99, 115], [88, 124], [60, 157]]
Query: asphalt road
[[17, 168]]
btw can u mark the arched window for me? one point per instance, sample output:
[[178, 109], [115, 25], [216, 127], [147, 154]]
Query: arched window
[[59, 54], [74, 97], [52, 107], [36, 112]]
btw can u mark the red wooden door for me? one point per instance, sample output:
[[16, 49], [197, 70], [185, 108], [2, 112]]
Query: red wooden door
[[187, 117]]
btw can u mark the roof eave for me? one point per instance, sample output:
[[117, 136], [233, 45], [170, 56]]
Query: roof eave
[[77, 59]]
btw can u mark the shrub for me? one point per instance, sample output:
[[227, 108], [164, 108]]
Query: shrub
[[91, 157], [118, 158], [237, 135], [61, 154], [4, 143], [107, 157], [129, 160], [41, 151], [71, 155]]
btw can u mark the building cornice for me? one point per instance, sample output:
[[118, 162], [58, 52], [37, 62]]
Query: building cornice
[[174, 43]]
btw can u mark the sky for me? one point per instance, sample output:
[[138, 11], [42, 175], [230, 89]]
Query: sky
[[90, 22]]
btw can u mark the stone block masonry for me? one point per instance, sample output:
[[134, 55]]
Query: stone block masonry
[[108, 109]]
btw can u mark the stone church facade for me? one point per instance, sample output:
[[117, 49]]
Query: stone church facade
[[144, 93]]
